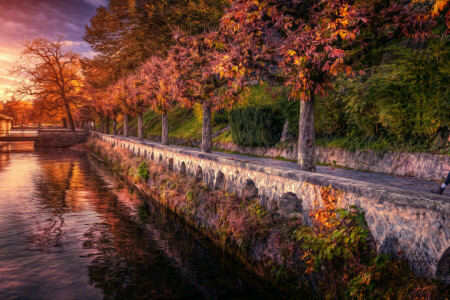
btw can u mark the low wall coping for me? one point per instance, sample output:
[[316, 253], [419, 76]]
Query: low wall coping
[[382, 193]]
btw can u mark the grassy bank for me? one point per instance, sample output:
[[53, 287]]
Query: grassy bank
[[187, 124], [183, 123], [332, 260]]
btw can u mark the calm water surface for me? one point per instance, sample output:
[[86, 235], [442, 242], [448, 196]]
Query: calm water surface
[[69, 229]]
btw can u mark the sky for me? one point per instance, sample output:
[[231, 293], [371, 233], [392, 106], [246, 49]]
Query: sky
[[27, 19]]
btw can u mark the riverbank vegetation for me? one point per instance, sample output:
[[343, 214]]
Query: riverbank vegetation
[[333, 259]]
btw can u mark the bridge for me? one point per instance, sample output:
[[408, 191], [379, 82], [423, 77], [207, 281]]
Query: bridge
[[18, 135], [45, 137]]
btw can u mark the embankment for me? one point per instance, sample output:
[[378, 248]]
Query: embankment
[[261, 241], [268, 237]]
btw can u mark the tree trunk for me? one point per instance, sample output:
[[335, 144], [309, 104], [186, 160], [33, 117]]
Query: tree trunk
[[306, 136], [107, 125], [206, 128], [84, 125], [140, 127], [102, 125], [69, 117], [64, 120], [125, 125], [93, 124], [165, 129], [114, 126]]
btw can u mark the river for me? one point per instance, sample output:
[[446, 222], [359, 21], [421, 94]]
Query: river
[[70, 229]]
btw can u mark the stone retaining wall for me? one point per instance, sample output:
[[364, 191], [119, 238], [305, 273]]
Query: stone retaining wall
[[61, 138], [411, 225], [421, 165]]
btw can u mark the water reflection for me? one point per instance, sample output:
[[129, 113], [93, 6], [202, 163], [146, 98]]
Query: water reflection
[[5, 149], [70, 230]]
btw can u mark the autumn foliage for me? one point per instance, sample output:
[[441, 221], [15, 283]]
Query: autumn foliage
[[336, 248], [50, 75], [303, 44]]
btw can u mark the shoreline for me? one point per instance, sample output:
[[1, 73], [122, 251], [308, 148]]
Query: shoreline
[[266, 245], [268, 271]]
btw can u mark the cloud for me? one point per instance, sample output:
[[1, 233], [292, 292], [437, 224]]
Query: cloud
[[80, 47], [27, 19], [7, 55], [97, 3], [11, 30]]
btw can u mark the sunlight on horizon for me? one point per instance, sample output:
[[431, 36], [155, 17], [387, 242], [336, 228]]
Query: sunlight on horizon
[[27, 19]]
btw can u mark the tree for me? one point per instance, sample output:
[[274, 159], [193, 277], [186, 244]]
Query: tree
[[159, 78], [117, 94], [135, 102], [205, 70], [20, 111], [50, 74], [125, 33], [308, 43]]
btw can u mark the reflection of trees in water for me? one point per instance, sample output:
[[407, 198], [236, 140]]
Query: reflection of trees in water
[[132, 260], [127, 264], [51, 234], [5, 150], [57, 189], [4, 161], [152, 260]]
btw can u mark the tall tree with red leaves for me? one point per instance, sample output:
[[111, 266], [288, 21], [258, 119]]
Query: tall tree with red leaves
[[159, 85], [308, 43], [205, 75]]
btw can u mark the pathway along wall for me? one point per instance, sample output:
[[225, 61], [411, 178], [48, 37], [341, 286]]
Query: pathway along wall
[[411, 225], [420, 165]]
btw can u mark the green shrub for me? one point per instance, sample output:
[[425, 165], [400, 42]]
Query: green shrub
[[256, 126], [262, 95], [258, 118], [408, 97], [329, 115], [291, 111], [143, 171], [220, 117]]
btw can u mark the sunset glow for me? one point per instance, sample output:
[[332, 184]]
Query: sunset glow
[[27, 19]]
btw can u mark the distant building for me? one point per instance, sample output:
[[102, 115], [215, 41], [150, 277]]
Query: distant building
[[5, 124]]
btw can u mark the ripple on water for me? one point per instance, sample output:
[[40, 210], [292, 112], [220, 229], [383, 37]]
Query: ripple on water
[[70, 230]]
